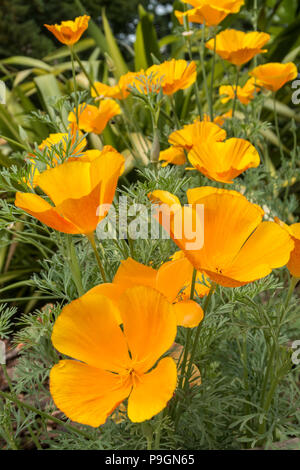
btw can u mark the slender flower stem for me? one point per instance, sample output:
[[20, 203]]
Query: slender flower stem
[[277, 127], [44, 414], [188, 334], [189, 46], [91, 238], [213, 76], [75, 84], [202, 55], [172, 102], [74, 265], [238, 69], [197, 335], [266, 398], [33, 436], [85, 72]]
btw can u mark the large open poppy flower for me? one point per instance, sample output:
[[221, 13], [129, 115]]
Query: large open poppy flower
[[69, 32], [197, 133], [238, 47], [238, 246], [244, 94], [113, 363], [212, 12], [274, 76], [77, 189], [224, 161], [95, 118]]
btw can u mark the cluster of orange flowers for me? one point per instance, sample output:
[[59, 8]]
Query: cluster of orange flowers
[[117, 332]]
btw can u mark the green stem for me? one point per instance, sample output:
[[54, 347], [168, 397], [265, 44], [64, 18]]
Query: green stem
[[196, 339], [213, 76], [294, 281], [75, 84], [85, 73], [202, 55], [188, 334], [236, 90], [44, 415], [189, 45], [33, 436], [91, 238], [178, 125], [277, 128], [74, 265]]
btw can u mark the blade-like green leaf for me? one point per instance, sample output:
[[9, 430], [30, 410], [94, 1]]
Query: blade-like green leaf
[[146, 41]]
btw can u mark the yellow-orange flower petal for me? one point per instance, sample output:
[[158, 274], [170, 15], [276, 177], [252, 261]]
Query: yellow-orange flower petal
[[86, 394], [174, 155], [224, 161], [147, 312], [274, 76], [93, 118], [238, 47], [91, 334], [152, 391], [69, 32], [196, 133], [294, 262], [219, 120], [188, 313]]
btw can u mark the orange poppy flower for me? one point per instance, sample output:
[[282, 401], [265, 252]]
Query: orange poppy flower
[[238, 247], [274, 76], [245, 94], [238, 47], [174, 155], [219, 120], [294, 261], [77, 189], [112, 364], [172, 280], [95, 119], [196, 133], [224, 161], [119, 91], [69, 32], [212, 12], [172, 75]]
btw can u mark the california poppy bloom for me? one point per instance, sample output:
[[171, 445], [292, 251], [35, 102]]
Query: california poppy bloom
[[119, 91], [174, 155], [244, 94], [113, 363], [294, 261], [239, 247], [77, 189], [274, 76], [69, 32], [172, 75], [224, 161], [196, 133], [95, 119], [238, 47], [212, 12]]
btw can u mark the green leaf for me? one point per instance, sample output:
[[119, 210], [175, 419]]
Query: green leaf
[[146, 41], [48, 88], [114, 51], [27, 62]]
